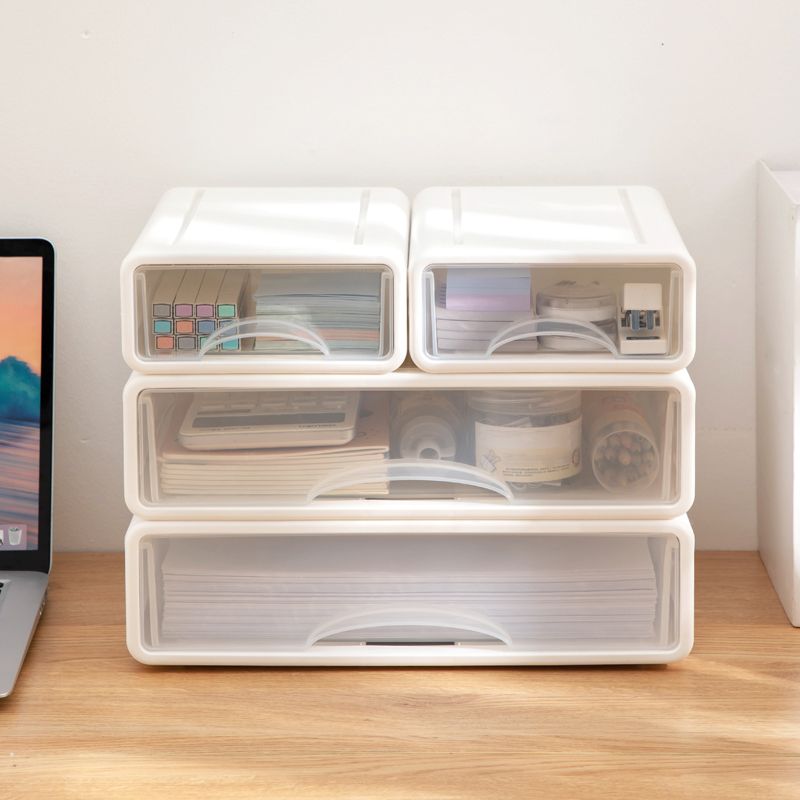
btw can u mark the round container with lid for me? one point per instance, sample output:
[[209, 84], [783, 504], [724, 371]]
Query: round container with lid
[[527, 437], [581, 302], [425, 425], [624, 450]]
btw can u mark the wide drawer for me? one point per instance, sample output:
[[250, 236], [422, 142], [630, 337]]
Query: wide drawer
[[361, 592], [410, 445]]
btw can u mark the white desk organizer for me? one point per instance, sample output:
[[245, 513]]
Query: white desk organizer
[[380, 593], [211, 283], [520, 505], [549, 279], [184, 440]]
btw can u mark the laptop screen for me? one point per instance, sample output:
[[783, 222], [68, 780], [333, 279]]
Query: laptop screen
[[26, 402], [21, 311]]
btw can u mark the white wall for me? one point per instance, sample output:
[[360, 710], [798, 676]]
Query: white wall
[[105, 105]]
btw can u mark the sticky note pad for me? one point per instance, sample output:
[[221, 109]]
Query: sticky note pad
[[162, 326], [232, 344], [488, 289], [187, 292], [208, 293], [164, 295], [230, 294], [184, 326], [206, 326], [187, 343], [165, 342]]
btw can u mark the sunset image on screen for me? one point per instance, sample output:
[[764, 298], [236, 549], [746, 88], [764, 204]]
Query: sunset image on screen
[[20, 310], [20, 396]]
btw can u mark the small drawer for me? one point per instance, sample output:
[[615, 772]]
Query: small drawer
[[549, 279], [268, 280], [410, 445], [361, 593]]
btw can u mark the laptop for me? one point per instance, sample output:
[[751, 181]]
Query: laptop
[[26, 444]]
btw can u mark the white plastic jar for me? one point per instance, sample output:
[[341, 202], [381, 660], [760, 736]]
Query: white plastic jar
[[527, 437], [425, 425], [580, 302]]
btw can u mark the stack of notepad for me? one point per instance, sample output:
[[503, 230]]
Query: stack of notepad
[[474, 305], [294, 590], [279, 473], [342, 307]]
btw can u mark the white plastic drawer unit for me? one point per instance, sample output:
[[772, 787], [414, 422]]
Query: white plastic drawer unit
[[268, 280], [409, 445], [386, 593], [549, 279]]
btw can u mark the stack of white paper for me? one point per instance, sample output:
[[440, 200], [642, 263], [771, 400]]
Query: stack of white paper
[[280, 472], [474, 305], [342, 307], [284, 590]]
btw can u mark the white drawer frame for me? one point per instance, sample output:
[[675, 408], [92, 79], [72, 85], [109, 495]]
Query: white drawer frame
[[375, 234], [411, 379], [446, 230], [138, 593]]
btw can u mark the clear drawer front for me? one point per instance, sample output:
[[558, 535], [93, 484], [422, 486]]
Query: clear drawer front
[[489, 595], [265, 315], [607, 450]]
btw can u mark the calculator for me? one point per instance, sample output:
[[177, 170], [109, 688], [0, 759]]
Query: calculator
[[260, 420]]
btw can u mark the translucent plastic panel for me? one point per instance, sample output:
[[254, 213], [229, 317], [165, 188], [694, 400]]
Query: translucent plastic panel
[[551, 311], [198, 313], [518, 593], [526, 448]]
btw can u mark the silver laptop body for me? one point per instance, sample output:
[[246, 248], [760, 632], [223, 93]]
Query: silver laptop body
[[26, 445]]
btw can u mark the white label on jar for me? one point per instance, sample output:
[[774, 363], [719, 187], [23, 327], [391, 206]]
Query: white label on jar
[[529, 455]]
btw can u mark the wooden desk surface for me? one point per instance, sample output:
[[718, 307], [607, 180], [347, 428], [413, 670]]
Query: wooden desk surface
[[86, 721]]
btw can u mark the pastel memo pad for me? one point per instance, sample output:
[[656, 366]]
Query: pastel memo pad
[[489, 302], [184, 309], [162, 309], [230, 294], [165, 342], [184, 326], [187, 343], [162, 326], [206, 326], [488, 289], [204, 310]]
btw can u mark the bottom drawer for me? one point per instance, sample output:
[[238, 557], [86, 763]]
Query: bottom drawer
[[443, 593]]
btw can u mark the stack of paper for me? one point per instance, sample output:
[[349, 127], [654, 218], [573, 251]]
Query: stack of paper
[[280, 472], [474, 305], [342, 307], [289, 590]]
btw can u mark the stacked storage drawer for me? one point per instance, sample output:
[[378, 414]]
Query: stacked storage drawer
[[303, 497]]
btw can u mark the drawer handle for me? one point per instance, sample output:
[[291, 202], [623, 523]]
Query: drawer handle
[[261, 328], [412, 469], [360, 623], [552, 326]]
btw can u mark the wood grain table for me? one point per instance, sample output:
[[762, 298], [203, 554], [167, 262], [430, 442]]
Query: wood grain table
[[86, 721]]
